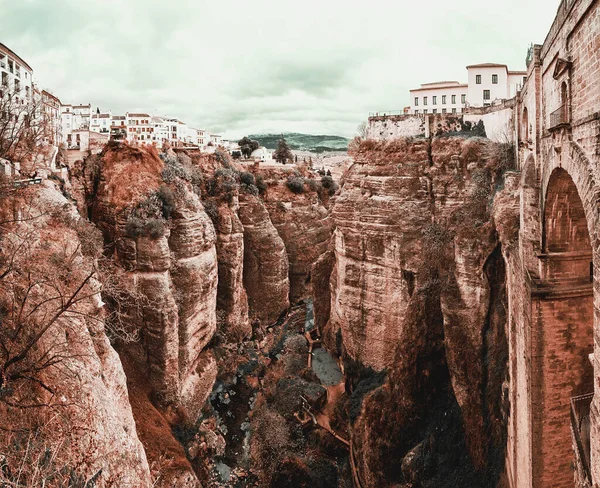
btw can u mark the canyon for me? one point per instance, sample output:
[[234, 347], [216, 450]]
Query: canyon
[[428, 319]]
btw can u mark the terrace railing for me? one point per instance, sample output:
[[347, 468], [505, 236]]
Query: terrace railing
[[580, 422]]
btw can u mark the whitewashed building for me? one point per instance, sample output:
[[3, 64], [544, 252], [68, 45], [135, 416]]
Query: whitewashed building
[[17, 75], [216, 139], [101, 122], [488, 83], [139, 127], [440, 97]]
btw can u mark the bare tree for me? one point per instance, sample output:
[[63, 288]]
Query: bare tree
[[25, 126]]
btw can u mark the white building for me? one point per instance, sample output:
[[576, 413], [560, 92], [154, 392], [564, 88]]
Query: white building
[[487, 83], [51, 108], [262, 154], [440, 97], [101, 122], [139, 127], [215, 139], [75, 123], [16, 74]]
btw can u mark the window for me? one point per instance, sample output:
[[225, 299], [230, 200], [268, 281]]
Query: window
[[434, 100], [425, 111], [453, 110], [416, 101], [444, 110], [443, 99], [424, 100], [524, 79], [486, 94], [416, 112], [453, 99], [463, 99], [494, 79], [434, 110], [478, 79]]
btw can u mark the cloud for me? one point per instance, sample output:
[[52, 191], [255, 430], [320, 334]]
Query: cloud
[[238, 66]]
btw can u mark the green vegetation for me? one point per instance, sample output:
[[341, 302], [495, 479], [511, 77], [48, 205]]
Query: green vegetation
[[304, 142], [283, 154]]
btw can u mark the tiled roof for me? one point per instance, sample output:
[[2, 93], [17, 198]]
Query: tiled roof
[[138, 115], [487, 65]]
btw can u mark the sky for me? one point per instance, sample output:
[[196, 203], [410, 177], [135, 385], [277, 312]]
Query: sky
[[239, 67]]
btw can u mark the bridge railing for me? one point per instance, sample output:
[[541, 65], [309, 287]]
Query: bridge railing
[[580, 423]]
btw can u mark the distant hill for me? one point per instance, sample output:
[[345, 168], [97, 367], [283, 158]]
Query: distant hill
[[304, 142]]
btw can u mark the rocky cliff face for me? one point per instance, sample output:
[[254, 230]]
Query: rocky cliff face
[[266, 264], [418, 288], [232, 300], [67, 408], [304, 225], [173, 264]]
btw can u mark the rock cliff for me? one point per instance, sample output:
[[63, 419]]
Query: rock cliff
[[63, 389], [418, 289], [162, 236], [266, 264], [232, 300], [304, 225]]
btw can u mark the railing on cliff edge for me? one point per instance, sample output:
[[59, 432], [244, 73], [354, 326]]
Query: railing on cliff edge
[[580, 423], [387, 113]]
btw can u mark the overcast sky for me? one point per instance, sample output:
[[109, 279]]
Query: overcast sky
[[251, 66]]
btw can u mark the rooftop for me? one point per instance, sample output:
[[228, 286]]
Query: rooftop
[[487, 65], [138, 115], [11, 53]]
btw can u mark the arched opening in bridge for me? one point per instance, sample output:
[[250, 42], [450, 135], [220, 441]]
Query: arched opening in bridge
[[562, 337]]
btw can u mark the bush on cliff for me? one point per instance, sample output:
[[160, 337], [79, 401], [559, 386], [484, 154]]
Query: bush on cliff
[[296, 184]]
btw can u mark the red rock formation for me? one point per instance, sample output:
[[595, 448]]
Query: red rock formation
[[87, 423], [413, 229], [265, 262], [176, 271], [232, 300], [305, 228]]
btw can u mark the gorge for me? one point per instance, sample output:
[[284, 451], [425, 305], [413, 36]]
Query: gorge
[[174, 318]]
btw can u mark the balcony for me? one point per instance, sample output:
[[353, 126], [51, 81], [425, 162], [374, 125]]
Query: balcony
[[580, 423], [560, 118]]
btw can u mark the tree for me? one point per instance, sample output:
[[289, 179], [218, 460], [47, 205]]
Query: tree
[[248, 146], [24, 127], [283, 154]]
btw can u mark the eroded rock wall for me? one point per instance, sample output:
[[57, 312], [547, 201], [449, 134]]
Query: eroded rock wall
[[266, 266], [175, 269], [70, 413], [304, 225], [414, 229]]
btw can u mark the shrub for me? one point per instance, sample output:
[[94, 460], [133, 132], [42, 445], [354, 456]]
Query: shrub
[[296, 184], [251, 189], [167, 199], [313, 184], [327, 181], [261, 184], [222, 156], [211, 210], [247, 178]]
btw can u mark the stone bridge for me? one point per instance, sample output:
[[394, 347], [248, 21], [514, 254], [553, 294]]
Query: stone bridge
[[554, 278]]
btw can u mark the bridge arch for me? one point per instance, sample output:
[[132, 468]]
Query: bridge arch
[[563, 304]]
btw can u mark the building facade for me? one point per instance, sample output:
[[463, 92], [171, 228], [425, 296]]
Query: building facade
[[488, 84], [441, 97], [17, 75]]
